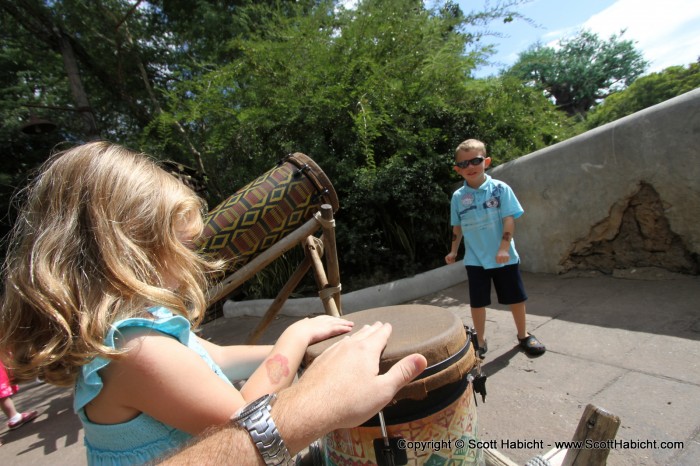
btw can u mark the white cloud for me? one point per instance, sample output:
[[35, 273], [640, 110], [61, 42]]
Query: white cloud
[[666, 32]]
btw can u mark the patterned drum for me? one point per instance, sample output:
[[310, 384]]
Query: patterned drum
[[266, 210], [433, 419]]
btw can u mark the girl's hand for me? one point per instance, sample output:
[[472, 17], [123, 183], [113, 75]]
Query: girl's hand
[[451, 257], [321, 328]]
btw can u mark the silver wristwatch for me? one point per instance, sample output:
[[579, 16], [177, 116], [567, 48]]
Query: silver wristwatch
[[255, 418]]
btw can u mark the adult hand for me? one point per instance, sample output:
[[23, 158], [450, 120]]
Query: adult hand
[[451, 257], [342, 388]]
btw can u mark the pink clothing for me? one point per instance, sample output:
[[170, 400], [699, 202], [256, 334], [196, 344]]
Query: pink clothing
[[6, 386]]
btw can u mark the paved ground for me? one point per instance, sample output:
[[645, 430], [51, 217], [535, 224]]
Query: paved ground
[[628, 345]]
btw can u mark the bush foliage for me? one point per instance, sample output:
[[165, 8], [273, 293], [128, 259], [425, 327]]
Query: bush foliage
[[378, 95]]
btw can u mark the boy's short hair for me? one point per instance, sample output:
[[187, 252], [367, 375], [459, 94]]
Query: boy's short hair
[[471, 144]]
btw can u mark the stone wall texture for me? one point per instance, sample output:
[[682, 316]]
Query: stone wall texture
[[622, 196]]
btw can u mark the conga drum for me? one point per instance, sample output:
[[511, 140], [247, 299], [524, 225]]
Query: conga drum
[[433, 419], [266, 210]]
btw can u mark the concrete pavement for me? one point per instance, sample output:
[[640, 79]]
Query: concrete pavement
[[628, 344]]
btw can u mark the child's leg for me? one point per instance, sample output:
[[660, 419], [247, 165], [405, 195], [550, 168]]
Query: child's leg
[[8, 407], [511, 291], [479, 320], [479, 298], [518, 311]]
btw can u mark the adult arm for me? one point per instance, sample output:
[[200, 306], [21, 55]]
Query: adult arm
[[168, 381], [342, 389]]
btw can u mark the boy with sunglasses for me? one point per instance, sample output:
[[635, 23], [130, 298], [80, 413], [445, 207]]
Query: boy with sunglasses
[[483, 211]]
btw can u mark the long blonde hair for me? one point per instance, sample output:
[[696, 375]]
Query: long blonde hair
[[96, 241]]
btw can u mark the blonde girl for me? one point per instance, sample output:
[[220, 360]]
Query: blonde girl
[[102, 290]]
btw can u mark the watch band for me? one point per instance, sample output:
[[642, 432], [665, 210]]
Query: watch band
[[255, 418]]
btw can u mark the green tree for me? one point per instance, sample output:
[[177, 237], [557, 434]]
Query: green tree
[[378, 96], [582, 71], [646, 91], [100, 69]]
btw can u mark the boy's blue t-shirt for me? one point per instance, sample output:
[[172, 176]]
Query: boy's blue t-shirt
[[480, 213]]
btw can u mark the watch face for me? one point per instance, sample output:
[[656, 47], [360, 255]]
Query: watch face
[[250, 408]]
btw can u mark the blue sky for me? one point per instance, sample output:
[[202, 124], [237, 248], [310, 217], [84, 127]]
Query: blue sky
[[667, 32]]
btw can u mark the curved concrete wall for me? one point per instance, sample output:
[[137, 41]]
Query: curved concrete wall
[[387, 294], [568, 188]]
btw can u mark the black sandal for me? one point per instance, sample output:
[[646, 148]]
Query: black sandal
[[483, 349], [531, 345]]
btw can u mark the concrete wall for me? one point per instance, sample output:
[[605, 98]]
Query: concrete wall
[[569, 188]]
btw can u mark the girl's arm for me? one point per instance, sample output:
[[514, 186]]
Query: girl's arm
[[279, 368], [238, 362], [168, 381]]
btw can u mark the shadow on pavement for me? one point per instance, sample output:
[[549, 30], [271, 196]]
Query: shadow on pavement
[[661, 307]]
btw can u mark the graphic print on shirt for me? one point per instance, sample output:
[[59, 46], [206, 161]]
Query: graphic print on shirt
[[495, 200], [475, 217], [467, 202]]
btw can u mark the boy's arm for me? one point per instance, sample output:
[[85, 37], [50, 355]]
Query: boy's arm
[[454, 246], [503, 254]]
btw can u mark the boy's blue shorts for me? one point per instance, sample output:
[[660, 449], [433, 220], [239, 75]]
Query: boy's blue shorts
[[507, 281]]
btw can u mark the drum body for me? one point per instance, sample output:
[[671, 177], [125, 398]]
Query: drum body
[[266, 210], [433, 419]]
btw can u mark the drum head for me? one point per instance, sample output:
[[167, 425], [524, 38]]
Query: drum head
[[436, 333]]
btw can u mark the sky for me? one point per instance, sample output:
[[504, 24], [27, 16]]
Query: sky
[[667, 32]]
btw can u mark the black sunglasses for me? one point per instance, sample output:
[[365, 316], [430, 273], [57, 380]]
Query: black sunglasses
[[465, 163]]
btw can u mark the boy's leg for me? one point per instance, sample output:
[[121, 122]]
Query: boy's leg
[[479, 320], [479, 298], [526, 340], [511, 291], [518, 311]]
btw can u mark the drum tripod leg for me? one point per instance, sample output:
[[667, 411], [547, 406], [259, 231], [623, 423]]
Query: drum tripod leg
[[281, 297], [313, 245], [328, 225]]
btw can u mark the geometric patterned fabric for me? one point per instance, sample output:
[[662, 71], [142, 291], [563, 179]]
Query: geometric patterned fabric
[[445, 437], [436, 415], [266, 210]]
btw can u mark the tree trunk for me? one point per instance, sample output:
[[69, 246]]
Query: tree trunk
[[76, 86]]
